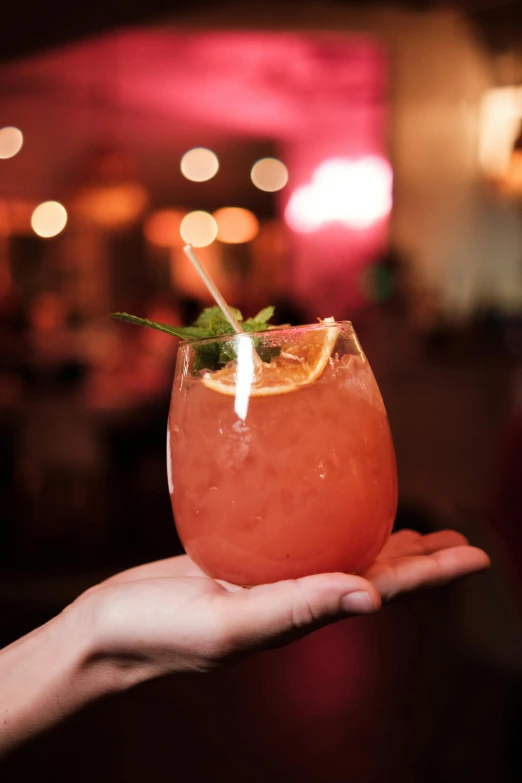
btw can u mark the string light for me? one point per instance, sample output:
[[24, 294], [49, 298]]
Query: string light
[[269, 174], [199, 164], [198, 228], [11, 140], [49, 219]]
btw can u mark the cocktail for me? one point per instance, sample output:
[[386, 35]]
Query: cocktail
[[280, 464], [279, 454]]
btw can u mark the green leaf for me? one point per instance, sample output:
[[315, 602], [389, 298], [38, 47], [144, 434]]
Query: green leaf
[[210, 314], [265, 315], [185, 332], [207, 357], [227, 351], [254, 326], [212, 323], [219, 325], [267, 352]]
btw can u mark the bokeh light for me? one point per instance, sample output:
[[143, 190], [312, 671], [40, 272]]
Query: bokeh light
[[269, 174], [111, 206], [163, 228], [236, 225], [48, 219], [356, 193], [11, 140], [199, 164], [198, 228]]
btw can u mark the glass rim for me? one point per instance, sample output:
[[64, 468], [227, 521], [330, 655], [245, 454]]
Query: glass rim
[[275, 331]]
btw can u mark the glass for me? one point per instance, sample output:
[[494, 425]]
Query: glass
[[283, 484]]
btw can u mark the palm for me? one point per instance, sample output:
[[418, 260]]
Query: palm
[[172, 617], [408, 562]]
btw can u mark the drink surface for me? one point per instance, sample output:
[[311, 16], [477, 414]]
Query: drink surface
[[303, 483]]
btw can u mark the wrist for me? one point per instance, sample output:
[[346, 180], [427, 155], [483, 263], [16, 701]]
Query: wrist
[[55, 670], [100, 670]]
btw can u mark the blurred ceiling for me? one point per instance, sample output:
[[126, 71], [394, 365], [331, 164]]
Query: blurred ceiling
[[31, 26]]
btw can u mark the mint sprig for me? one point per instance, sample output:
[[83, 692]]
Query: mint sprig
[[212, 323], [185, 332]]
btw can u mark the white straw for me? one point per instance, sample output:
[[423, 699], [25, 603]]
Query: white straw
[[227, 312]]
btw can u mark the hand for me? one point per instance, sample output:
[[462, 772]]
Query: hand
[[168, 616]]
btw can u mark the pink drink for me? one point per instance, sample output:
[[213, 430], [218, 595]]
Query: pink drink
[[304, 483]]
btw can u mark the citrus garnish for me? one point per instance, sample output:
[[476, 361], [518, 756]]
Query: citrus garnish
[[298, 364]]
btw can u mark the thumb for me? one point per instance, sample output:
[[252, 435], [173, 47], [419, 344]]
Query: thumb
[[275, 614]]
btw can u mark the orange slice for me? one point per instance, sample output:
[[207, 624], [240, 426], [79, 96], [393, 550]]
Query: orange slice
[[296, 366]]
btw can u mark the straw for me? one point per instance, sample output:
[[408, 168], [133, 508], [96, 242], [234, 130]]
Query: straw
[[225, 309], [202, 272]]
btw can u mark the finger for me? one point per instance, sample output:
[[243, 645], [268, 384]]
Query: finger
[[399, 541], [444, 539], [409, 542], [405, 574], [273, 614], [171, 566]]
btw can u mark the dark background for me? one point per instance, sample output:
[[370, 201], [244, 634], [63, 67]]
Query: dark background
[[427, 691]]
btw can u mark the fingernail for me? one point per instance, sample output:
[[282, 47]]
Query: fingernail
[[358, 603]]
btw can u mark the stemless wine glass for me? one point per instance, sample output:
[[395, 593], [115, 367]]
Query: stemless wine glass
[[281, 464]]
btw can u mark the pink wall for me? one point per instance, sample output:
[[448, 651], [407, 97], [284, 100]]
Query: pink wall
[[159, 92]]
